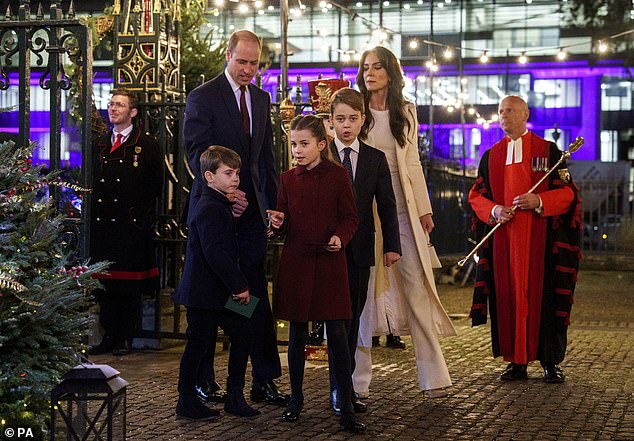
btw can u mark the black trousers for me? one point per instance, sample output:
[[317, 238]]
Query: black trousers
[[202, 325], [338, 353], [358, 279], [120, 306]]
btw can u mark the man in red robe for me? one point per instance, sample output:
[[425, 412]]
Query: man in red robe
[[527, 272]]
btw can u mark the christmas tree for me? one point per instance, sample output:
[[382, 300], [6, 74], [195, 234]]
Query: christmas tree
[[44, 294]]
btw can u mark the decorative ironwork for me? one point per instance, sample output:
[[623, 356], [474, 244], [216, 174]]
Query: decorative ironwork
[[46, 43]]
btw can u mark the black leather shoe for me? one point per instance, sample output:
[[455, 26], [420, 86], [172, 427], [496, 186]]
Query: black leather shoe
[[106, 346], [349, 423], [394, 341], [122, 347], [553, 373], [211, 393], [190, 408], [294, 408], [375, 341], [514, 372], [359, 406], [267, 391]]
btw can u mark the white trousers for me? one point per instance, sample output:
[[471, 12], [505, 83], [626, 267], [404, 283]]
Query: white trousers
[[406, 279]]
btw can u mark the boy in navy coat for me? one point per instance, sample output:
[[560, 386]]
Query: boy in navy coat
[[369, 173], [211, 276]]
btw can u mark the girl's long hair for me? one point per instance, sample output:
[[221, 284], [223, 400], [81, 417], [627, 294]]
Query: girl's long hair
[[395, 101], [316, 127]]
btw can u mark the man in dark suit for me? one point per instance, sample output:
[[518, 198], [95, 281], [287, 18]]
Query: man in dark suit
[[232, 112], [127, 181], [368, 169]]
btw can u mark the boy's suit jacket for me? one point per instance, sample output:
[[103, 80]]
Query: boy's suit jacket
[[372, 180]]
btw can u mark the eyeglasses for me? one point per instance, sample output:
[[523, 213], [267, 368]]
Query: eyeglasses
[[117, 105]]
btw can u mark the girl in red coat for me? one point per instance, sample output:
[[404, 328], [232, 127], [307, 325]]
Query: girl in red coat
[[316, 212]]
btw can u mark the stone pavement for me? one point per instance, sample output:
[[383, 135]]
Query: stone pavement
[[595, 403]]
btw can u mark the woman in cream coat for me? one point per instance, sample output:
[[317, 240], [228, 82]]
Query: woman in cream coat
[[402, 299]]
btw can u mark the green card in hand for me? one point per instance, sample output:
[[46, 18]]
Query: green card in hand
[[245, 309]]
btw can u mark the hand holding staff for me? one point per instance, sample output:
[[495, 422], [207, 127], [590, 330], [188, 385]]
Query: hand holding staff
[[508, 214]]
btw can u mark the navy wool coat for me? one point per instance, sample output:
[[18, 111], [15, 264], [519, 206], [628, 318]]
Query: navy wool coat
[[211, 266]]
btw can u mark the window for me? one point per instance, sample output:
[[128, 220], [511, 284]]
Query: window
[[552, 94], [609, 145], [616, 94]]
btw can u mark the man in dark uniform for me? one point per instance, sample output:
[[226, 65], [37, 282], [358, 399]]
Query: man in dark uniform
[[127, 180]]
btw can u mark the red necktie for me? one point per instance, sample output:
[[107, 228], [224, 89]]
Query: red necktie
[[117, 142], [244, 111]]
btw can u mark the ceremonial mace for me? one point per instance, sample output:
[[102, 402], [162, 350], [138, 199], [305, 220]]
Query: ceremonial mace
[[576, 145]]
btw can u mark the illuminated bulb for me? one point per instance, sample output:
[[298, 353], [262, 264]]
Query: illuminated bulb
[[602, 47], [523, 59], [270, 7], [464, 80], [419, 2], [484, 57], [243, 8], [429, 64], [359, 5], [494, 117], [258, 4], [216, 13], [386, 3], [561, 55], [471, 111], [413, 44], [220, 2], [485, 125], [450, 109], [448, 53], [302, 6], [329, 5], [406, 6], [528, 2], [441, 5], [447, 1], [434, 68], [322, 4], [324, 10], [260, 11], [480, 120]]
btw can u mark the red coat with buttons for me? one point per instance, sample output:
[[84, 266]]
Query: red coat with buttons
[[126, 186], [312, 283]]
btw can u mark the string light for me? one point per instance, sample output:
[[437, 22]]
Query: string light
[[413, 44], [523, 59], [220, 2], [243, 8], [448, 54], [561, 55], [603, 47], [484, 57]]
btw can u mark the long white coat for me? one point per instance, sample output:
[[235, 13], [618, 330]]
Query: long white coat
[[382, 305]]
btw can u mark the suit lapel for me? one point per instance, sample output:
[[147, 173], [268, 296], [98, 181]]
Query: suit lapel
[[258, 120], [363, 165]]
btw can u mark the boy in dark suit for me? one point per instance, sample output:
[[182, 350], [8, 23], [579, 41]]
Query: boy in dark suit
[[370, 175], [212, 275]]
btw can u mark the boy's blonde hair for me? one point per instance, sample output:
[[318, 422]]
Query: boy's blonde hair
[[215, 155]]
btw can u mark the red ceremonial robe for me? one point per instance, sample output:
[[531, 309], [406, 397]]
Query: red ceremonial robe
[[519, 245]]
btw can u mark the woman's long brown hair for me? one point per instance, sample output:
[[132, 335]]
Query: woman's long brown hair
[[395, 100]]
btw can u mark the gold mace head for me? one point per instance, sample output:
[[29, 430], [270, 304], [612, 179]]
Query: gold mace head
[[576, 144], [287, 110]]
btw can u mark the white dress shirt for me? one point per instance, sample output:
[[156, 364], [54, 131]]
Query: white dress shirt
[[354, 153], [125, 134], [236, 91]]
